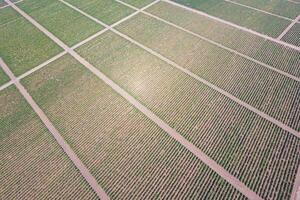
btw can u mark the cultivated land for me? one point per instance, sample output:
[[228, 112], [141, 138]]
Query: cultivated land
[[32, 164], [145, 99], [122, 148]]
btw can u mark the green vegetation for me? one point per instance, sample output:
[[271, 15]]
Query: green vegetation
[[255, 20], [126, 152], [24, 47], [64, 22], [32, 164], [228, 71], [276, 55], [122, 148], [108, 11], [224, 130]]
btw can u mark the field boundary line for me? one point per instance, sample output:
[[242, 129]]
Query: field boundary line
[[173, 133], [288, 28], [73, 157], [7, 5], [60, 140], [234, 25], [217, 44], [259, 10], [214, 87], [296, 188]]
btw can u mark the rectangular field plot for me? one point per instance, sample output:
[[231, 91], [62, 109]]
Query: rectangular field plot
[[108, 11], [245, 144], [293, 35], [22, 46], [130, 157], [33, 166], [275, 55], [279, 96], [283, 8], [252, 19], [64, 22]]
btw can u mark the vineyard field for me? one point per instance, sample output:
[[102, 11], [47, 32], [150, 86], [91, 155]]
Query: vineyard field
[[110, 142], [232, 73], [211, 116], [150, 99]]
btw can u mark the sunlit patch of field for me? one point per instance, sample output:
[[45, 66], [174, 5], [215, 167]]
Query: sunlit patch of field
[[126, 152], [205, 117], [225, 69]]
